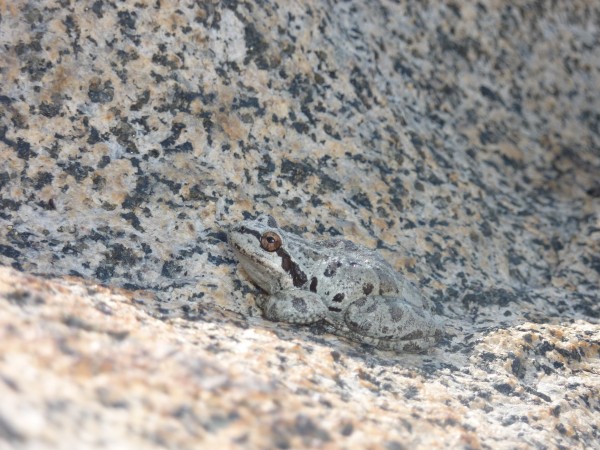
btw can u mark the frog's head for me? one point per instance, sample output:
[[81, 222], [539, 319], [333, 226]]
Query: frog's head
[[259, 244]]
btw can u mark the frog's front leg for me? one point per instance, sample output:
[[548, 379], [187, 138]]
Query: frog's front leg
[[390, 318], [293, 306]]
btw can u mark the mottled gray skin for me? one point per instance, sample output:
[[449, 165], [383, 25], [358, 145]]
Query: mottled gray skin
[[352, 288]]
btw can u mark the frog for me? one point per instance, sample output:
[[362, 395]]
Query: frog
[[351, 290]]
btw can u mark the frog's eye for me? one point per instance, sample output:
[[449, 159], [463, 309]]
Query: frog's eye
[[270, 241]]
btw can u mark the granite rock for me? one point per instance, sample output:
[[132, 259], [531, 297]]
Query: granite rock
[[461, 140]]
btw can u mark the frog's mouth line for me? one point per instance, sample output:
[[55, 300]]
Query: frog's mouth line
[[239, 249]]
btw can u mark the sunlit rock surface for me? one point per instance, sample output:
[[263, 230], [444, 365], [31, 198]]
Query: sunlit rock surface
[[460, 140]]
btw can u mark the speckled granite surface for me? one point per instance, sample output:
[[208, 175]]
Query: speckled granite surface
[[461, 140]]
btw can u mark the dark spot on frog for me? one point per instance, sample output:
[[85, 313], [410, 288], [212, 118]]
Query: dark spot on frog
[[332, 267], [367, 288], [396, 313], [299, 304], [361, 327], [338, 298], [360, 302], [417, 334], [411, 347], [335, 309], [371, 308], [387, 283], [313, 284]]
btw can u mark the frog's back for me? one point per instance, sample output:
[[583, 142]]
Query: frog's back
[[361, 255], [356, 270], [364, 272]]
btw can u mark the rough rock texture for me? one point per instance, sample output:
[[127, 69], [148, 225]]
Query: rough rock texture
[[461, 139]]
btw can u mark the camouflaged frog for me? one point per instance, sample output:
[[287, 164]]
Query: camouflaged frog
[[351, 288]]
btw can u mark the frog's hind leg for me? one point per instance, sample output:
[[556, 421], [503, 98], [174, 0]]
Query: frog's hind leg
[[412, 346], [293, 306], [389, 318]]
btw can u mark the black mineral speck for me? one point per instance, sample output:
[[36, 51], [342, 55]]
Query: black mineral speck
[[504, 388], [141, 101], [9, 252], [309, 430], [23, 149], [104, 272], [561, 429], [411, 392], [362, 199], [394, 445], [489, 94], [296, 172], [301, 127], [256, 47], [171, 269], [126, 136], [127, 19], [133, 220], [4, 179], [97, 8], [41, 180], [77, 170], [594, 191], [50, 109], [347, 429], [517, 368], [486, 228], [94, 136], [500, 297], [362, 87], [99, 92], [119, 254]]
